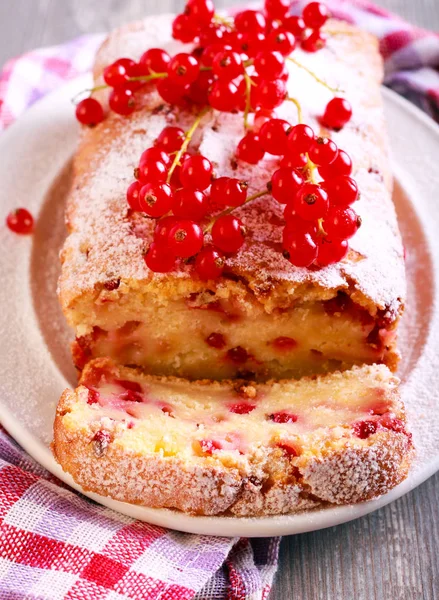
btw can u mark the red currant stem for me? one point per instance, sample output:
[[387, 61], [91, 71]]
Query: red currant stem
[[104, 86], [187, 138], [310, 167], [227, 21], [316, 77], [205, 68], [338, 32], [298, 106], [229, 210], [321, 230], [147, 78], [89, 91], [248, 87]]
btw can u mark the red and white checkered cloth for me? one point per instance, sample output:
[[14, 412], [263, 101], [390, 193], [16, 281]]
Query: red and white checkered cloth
[[56, 544]]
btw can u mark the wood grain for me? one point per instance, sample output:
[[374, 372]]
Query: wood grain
[[391, 554]]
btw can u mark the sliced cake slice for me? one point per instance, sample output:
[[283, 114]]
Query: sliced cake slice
[[234, 447]]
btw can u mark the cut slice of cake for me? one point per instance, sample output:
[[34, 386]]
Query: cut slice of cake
[[264, 318], [233, 447]]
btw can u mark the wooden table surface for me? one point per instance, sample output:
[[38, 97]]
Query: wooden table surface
[[391, 554]]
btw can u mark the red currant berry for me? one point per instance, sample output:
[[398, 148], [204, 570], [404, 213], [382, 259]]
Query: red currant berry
[[337, 113], [155, 199], [342, 165], [228, 233], [199, 90], [89, 112], [250, 21], [115, 75], [224, 96], [211, 51], [190, 204], [209, 263], [294, 160], [227, 65], [273, 136], [235, 192], [341, 223], [296, 25], [217, 191], [270, 94], [162, 229], [155, 60], [364, 429], [301, 249], [277, 9], [184, 29], [196, 173], [211, 35], [154, 155], [249, 149], [152, 171], [261, 117], [133, 196], [159, 259], [129, 65], [311, 202], [269, 64], [285, 183], [122, 101], [315, 15], [250, 43], [281, 41], [290, 213], [331, 251], [342, 190], [20, 221], [322, 151], [185, 238], [301, 138], [200, 11], [170, 139], [183, 69], [227, 191], [172, 93], [313, 42], [297, 225]]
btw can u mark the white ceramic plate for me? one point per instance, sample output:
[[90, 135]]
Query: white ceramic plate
[[35, 156]]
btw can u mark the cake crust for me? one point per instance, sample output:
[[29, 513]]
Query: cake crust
[[334, 466]]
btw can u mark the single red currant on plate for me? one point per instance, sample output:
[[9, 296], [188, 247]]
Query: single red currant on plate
[[20, 221]]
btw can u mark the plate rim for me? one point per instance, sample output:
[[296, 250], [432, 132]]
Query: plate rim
[[231, 526]]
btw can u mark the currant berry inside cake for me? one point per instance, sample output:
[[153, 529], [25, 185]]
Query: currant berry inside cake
[[234, 447], [263, 316]]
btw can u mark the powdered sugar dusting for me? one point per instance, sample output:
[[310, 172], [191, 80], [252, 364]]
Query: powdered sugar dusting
[[103, 243]]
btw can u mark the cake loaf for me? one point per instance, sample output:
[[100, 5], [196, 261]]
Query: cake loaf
[[263, 318]]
